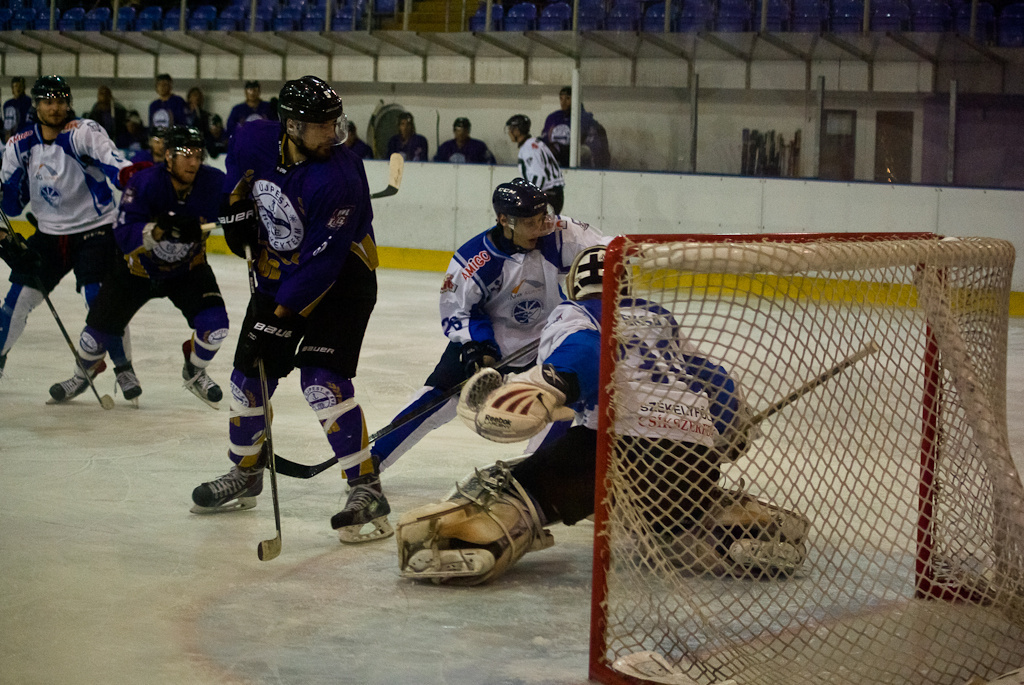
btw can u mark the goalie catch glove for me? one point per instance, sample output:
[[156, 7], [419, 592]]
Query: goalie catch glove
[[519, 407], [240, 224]]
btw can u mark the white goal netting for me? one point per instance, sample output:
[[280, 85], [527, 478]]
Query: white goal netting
[[872, 531]]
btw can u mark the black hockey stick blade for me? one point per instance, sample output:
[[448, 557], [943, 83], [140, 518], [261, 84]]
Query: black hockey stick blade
[[395, 168], [289, 468]]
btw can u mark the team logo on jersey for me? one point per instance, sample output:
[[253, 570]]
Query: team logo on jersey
[[474, 263], [448, 286], [277, 214], [170, 251], [528, 311], [339, 218]]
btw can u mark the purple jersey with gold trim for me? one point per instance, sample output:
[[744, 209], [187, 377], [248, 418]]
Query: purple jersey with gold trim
[[312, 215]]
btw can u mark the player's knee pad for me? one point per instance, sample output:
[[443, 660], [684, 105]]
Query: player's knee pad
[[247, 423], [211, 327], [93, 344], [475, 535], [332, 397]]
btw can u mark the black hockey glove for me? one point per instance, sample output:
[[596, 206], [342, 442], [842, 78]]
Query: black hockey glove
[[272, 339], [180, 228], [241, 227], [19, 256], [475, 355]]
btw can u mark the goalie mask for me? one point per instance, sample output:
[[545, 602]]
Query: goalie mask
[[586, 274]]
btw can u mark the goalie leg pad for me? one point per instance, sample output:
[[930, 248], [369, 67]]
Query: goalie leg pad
[[474, 536]]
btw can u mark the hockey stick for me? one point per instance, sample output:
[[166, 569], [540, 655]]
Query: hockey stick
[[291, 469], [268, 549], [395, 168], [810, 385], [106, 401]]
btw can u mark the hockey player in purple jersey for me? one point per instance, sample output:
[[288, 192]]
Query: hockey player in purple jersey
[[159, 231], [462, 149], [61, 168], [298, 198]]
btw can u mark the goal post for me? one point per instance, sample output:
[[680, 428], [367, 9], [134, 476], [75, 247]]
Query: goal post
[[872, 530]]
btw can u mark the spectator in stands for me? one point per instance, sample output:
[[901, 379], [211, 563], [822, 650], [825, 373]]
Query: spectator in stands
[[408, 143], [110, 114], [462, 149], [196, 115], [216, 137], [17, 110], [253, 109], [356, 144], [593, 139], [134, 140], [168, 109], [155, 153]]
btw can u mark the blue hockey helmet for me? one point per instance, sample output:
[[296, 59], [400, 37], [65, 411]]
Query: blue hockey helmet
[[519, 198]]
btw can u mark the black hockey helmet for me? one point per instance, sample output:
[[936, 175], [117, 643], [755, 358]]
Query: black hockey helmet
[[519, 121], [586, 273], [183, 138], [461, 122], [47, 87], [519, 198], [308, 99]]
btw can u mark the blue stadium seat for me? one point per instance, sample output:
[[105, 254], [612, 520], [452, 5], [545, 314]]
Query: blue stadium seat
[[1010, 27], [695, 16], [314, 18], [342, 20], [385, 6], [477, 21], [847, 16], [555, 17], [287, 18], [733, 16], [521, 17], [5, 18], [202, 18], [890, 15], [126, 18], [622, 17], [231, 18], [42, 22], [73, 19], [590, 16], [933, 16], [97, 19], [264, 18], [654, 19], [172, 19], [778, 16], [985, 28], [808, 16], [23, 19], [149, 18]]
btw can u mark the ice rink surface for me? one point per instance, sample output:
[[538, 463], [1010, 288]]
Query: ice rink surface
[[105, 576]]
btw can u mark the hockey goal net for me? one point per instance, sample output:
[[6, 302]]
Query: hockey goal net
[[880, 361]]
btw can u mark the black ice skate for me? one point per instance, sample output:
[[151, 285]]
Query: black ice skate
[[197, 381], [236, 490], [367, 508], [128, 382], [74, 386]]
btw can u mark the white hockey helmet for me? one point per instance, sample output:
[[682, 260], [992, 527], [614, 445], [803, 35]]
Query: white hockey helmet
[[586, 273]]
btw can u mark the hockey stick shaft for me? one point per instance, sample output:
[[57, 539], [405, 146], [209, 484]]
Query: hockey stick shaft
[[294, 470], [396, 165], [810, 385], [106, 401], [267, 549]]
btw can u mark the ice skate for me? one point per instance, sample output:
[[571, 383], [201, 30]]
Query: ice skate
[[236, 490], [74, 386], [197, 381], [365, 516], [128, 382]]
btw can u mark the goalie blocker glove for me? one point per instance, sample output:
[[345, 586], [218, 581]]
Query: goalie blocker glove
[[519, 407], [241, 227]]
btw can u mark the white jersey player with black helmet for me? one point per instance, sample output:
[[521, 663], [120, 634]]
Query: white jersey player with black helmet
[[537, 164], [499, 513], [60, 168], [496, 294]]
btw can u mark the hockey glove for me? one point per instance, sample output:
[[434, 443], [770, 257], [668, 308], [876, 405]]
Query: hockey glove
[[241, 227], [19, 256], [125, 174], [476, 355], [272, 339], [517, 409], [180, 228]]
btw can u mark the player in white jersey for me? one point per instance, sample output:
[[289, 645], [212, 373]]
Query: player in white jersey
[[537, 164], [499, 513], [60, 167], [496, 294]]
